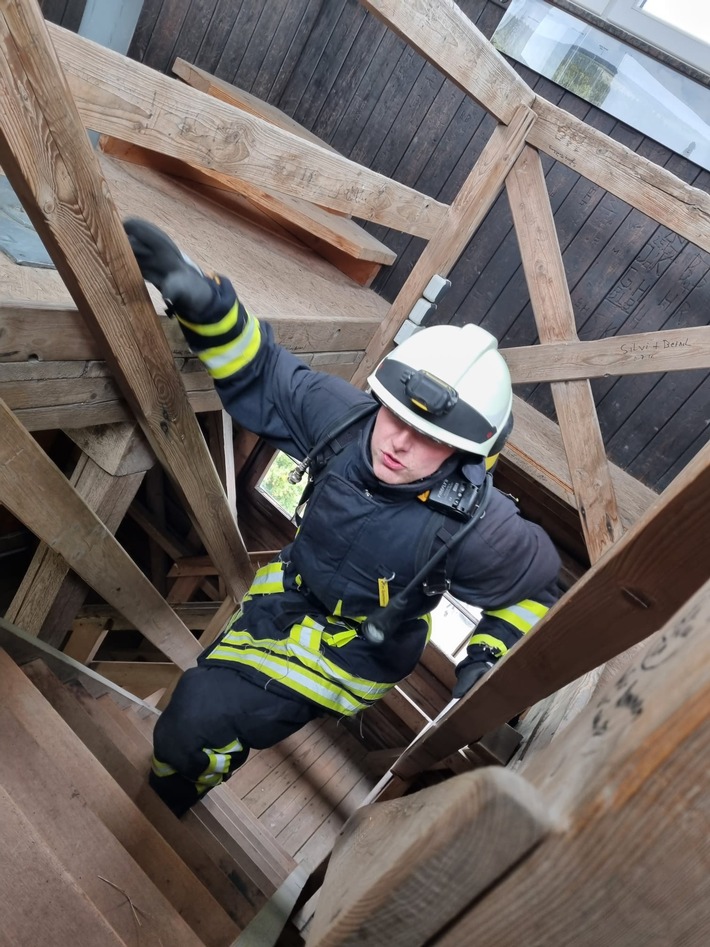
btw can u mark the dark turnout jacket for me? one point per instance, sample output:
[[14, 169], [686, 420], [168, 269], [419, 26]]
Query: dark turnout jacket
[[360, 541]]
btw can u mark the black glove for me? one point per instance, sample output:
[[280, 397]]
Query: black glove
[[181, 283], [469, 675]]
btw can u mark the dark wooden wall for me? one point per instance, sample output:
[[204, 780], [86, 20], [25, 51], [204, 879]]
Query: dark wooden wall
[[340, 73]]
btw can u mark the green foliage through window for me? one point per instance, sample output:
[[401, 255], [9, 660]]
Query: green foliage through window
[[275, 484]]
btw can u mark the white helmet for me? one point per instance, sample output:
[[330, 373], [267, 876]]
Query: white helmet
[[450, 383]]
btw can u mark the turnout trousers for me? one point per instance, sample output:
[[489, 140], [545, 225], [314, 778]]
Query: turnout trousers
[[214, 718]]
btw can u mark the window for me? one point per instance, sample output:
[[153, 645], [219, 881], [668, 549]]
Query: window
[[647, 94], [680, 27], [274, 484]]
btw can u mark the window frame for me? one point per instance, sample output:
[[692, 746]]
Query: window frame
[[630, 17]]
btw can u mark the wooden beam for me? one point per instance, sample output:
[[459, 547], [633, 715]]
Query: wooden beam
[[24, 648], [50, 595], [80, 227], [196, 615], [656, 192], [554, 316], [627, 596], [445, 36], [55, 512], [536, 448], [118, 96], [308, 222], [226, 92], [629, 778], [662, 351], [472, 203], [52, 333], [141, 678], [384, 883], [220, 436]]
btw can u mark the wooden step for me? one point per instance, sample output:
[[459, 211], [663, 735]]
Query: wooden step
[[101, 867], [41, 902], [113, 807], [205, 858]]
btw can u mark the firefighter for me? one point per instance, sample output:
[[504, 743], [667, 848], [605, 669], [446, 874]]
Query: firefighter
[[396, 475]]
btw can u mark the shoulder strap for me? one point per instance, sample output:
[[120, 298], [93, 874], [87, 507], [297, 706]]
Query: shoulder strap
[[336, 437]]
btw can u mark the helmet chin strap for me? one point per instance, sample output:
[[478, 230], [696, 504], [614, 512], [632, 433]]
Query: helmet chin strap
[[381, 624]]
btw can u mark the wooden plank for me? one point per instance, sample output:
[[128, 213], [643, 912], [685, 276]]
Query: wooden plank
[[659, 194], [251, 846], [226, 92], [308, 222], [54, 333], [80, 227], [91, 731], [220, 435], [468, 209], [148, 849], [625, 597], [23, 648], [119, 449], [632, 806], [633, 354], [83, 844], [57, 515], [60, 517], [554, 317], [405, 868], [49, 595], [141, 678], [536, 448], [85, 640], [443, 34], [35, 875], [196, 615], [117, 96]]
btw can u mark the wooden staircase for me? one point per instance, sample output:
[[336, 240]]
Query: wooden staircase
[[91, 855]]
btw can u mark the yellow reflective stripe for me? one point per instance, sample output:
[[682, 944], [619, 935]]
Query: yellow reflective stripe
[[225, 324], [429, 625], [224, 360], [219, 760], [340, 638], [268, 579], [522, 616], [491, 461], [307, 634], [316, 662], [301, 680], [495, 644], [161, 769]]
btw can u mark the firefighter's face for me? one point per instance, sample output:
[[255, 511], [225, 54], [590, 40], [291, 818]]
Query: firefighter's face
[[402, 455]]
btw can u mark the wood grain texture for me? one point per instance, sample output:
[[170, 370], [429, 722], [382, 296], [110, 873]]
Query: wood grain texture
[[554, 316], [625, 597], [104, 797], [633, 805], [54, 171], [638, 181], [117, 96], [468, 209], [446, 37], [401, 870], [56, 513], [67, 915], [83, 844], [634, 354]]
